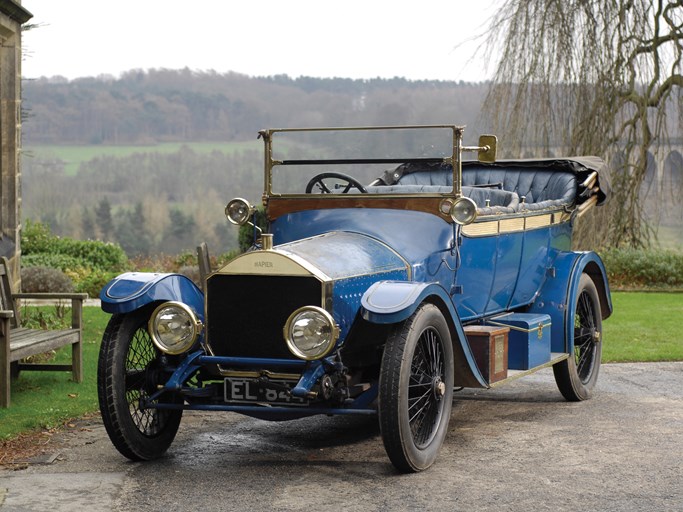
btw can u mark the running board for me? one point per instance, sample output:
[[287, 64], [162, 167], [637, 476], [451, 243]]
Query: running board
[[555, 357]]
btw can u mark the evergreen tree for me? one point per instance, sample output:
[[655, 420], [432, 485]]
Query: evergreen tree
[[131, 233], [88, 224], [105, 222]]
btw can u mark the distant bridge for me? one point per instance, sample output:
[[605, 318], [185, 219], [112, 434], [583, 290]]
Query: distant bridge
[[662, 186], [663, 177]]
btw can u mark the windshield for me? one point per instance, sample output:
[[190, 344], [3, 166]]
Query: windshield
[[360, 160]]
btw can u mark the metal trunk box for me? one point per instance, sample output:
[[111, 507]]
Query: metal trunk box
[[489, 345], [529, 339]]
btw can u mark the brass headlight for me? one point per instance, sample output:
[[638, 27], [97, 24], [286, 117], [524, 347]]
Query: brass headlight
[[310, 333], [238, 211], [463, 211], [174, 327]]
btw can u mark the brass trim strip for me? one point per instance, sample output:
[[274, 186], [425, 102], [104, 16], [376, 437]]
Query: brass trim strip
[[481, 229], [538, 221], [511, 225], [243, 265], [487, 226]]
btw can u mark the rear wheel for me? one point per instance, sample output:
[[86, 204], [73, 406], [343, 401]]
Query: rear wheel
[[577, 375], [416, 389], [128, 371]]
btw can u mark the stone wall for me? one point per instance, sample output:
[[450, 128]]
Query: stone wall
[[12, 17]]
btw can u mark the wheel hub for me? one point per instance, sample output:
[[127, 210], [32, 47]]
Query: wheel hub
[[438, 387]]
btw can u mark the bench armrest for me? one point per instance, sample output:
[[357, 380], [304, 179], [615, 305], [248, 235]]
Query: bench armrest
[[6, 314]]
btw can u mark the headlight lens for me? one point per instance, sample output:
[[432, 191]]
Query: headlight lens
[[463, 211], [310, 333], [174, 327], [238, 211]]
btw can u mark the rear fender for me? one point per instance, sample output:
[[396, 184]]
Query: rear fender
[[133, 290], [557, 298], [391, 302]]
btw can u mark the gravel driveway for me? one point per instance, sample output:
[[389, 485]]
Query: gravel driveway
[[520, 447]]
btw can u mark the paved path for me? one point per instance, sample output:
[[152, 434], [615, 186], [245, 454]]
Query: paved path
[[520, 447]]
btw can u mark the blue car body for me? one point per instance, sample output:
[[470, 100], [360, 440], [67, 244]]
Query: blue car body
[[371, 260]]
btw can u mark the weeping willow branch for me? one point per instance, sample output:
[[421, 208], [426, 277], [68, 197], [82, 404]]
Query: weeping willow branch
[[591, 78]]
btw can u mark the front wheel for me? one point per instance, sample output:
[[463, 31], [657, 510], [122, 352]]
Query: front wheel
[[577, 375], [416, 389], [127, 372]]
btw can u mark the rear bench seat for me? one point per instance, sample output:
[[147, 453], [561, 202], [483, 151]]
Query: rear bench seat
[[540, 188], [503, 185]]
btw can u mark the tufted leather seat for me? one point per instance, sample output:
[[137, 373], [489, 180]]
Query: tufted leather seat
[[541, 188]]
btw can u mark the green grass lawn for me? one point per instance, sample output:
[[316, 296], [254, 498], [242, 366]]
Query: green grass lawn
[[644, 327], [43, 400], [73, 156]]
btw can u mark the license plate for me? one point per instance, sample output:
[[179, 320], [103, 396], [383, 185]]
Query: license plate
[[248, 390]]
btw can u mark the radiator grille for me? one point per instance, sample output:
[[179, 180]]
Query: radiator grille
[[246, 314]]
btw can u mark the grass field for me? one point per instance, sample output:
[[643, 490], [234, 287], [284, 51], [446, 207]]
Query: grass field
[[44, 400], [644, 327], [73, 156]]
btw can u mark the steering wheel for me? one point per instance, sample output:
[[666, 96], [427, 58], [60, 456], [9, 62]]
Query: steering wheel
[[320, 181]]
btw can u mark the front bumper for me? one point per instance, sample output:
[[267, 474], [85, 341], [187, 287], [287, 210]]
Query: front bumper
[[208, 395]]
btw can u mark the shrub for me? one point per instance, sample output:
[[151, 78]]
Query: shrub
[[91, 281], [35, 237], [93, 253], [89, 264], [185, 259], [45, 279], [40, 247], [637, 268], [53, 260]]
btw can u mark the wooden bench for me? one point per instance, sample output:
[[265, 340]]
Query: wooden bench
[[17, 342]]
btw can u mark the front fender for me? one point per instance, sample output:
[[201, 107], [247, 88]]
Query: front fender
[[389, 302], [133, 290]]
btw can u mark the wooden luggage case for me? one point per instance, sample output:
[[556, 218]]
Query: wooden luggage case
[[489, 345]]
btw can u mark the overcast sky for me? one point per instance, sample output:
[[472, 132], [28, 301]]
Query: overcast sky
[[424, 39]]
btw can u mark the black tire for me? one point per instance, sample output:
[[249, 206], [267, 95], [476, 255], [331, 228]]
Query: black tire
[[126, 372], [416, 389], [577, 375]]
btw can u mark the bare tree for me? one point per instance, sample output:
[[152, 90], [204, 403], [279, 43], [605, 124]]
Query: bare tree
[[594, 77]]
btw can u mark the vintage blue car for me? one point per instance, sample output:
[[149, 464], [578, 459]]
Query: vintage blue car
[[392, 270]]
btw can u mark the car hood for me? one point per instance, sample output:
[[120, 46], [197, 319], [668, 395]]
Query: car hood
[[330, 257]]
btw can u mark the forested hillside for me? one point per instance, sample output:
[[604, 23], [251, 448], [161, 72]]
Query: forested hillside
[[165, 105], [152, 201]]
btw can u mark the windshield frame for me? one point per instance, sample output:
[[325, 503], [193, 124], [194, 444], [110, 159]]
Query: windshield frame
[[454, 159]]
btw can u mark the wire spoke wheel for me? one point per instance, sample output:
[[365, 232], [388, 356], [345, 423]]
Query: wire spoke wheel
[[416, 389], [576, 376], [425, 391], [139, 368], [586, 337], [128, 373]]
